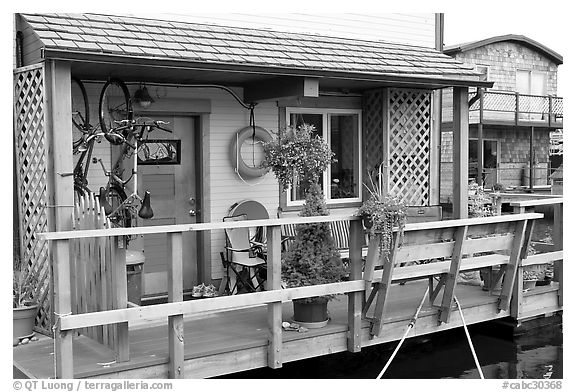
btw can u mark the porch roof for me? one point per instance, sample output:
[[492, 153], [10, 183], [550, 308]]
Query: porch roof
[[107, 38]]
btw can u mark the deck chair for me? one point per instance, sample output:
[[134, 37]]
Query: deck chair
[[244, 260]]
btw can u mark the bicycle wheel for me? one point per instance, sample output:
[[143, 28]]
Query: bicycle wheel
[[114, 105], [80, 106], [115, 197]]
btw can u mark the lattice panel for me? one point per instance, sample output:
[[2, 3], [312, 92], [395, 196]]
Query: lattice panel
[[532, 104], [558, 106], [373, 127], [499, 102], [409, 145], [31, 156]]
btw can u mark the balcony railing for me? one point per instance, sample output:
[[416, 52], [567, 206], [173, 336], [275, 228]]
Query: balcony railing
[[517, 108]]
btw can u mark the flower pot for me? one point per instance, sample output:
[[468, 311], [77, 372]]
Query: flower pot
[[23, 321], [529, 284], [367, 222], [312, 314]]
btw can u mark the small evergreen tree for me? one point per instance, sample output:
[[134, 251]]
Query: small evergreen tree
[[313, 258]]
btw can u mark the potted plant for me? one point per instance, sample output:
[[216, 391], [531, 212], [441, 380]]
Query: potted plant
[[382, 212], [529, 278], [24, 300], [297, 156]]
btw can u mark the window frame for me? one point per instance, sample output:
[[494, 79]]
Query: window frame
[[530, 73], [477, 68], [326, 112], [498, 154]]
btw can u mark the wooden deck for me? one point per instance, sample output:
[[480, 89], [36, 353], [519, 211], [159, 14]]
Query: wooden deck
[[232, 341]]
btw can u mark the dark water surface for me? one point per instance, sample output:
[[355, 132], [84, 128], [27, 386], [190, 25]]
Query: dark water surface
[[536, 354]]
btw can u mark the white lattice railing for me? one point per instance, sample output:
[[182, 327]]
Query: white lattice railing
[[409, 114], [31, 172]]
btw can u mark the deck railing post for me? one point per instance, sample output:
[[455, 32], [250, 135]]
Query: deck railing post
[[63, 306], [511, 276], [558, 245], [517, 111], [354, 342], [273, 278], [122, 344], [175, 294]]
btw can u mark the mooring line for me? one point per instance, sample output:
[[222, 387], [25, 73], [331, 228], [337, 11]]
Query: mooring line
[[469, 339], [410, 326]]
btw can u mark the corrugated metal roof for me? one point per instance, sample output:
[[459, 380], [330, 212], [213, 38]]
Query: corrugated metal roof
[[169, 40]]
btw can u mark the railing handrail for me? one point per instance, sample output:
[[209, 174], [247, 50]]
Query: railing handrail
[[537, 202], [120, 231], [505, 107], [513, 93]]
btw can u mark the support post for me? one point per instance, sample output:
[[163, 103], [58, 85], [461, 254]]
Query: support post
[[371, 259], [175, 294], [518, 288], [511, 268], [450, 285], [531, 166], [558, 240], [384, 286], [58, 103], [120, 293], [63, 306], [479, 176], [273, 277], [460, 160], [354, 342]]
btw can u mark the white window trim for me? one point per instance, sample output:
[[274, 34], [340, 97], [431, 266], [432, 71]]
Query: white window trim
[[530, 81], [487, 69], [325, 112]]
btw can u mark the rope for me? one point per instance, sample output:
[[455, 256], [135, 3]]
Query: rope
[[54, 327], [410, 326], [469, 339]]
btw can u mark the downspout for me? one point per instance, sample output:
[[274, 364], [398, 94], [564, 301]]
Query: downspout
[[437, 104]]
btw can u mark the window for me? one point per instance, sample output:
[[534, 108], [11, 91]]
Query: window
[[341, 129], [484, 70], [531, 82], [491, 157]]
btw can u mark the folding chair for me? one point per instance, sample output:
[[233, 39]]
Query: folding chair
[[245, 260]]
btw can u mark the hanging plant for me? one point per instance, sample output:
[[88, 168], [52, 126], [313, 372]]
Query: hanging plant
[[382, 213], [297, 155]]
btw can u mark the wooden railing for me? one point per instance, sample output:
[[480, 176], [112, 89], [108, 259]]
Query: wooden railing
[[175, 309], [556, 256], [518, 107]]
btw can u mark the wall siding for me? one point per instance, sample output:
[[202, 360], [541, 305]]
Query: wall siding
[[412, 29], [504, 58], [514, 155], [225, 187]]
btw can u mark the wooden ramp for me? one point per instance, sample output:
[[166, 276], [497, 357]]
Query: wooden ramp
[[233, 341]]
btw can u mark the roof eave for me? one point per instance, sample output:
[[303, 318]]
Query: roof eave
[[417, 80]]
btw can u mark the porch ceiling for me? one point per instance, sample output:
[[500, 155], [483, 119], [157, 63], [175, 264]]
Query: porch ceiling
[[136, 49]]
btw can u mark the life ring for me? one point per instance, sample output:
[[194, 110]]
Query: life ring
[[261, 135]]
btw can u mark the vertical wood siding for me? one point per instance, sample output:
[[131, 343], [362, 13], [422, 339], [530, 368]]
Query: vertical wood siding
[[412, 29]]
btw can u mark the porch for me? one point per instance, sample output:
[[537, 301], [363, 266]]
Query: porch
[[210, 337]]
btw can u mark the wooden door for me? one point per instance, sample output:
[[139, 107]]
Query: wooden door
[[173, 200]]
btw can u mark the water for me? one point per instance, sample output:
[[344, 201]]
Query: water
[[537, 354]]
